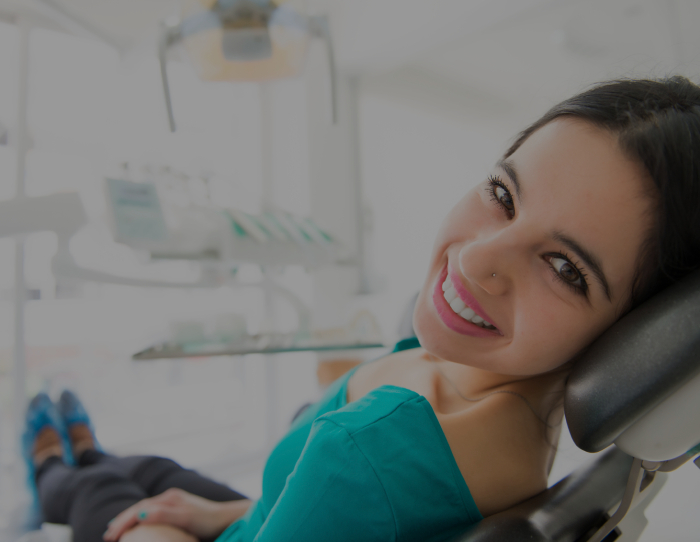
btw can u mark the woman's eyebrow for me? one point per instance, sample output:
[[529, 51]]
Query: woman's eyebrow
[[509, 168], [589, 259]]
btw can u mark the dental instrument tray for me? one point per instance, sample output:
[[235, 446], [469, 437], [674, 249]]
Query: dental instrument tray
[[139, 219], [264, 343]]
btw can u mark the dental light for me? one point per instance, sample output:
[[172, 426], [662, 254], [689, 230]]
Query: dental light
[[244, 40]]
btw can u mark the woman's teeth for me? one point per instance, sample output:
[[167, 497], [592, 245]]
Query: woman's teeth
[[458, 306]]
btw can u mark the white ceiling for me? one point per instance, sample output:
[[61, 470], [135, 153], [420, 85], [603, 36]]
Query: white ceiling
[[368, 34], [549, 53], [506, 54]]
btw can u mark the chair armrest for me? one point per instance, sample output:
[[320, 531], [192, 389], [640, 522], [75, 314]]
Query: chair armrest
[[563, 513]]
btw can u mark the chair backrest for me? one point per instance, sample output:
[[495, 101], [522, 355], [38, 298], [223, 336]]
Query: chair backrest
[[638, 385]]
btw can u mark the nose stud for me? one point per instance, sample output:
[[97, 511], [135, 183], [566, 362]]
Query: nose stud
[[493, 275]]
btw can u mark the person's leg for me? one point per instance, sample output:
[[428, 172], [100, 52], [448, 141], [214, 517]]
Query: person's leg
[[155, 475], [52, 479], [105, 486], [158, 474], [86, 498]]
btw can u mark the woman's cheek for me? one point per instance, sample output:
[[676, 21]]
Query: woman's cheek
[[545, 328]]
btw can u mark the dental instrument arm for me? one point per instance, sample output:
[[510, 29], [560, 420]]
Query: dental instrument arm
[[168, 36]]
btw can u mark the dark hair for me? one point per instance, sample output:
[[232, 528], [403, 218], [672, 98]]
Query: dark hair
[[657, 123]]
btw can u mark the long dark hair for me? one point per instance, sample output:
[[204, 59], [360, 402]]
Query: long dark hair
[[657, 123]]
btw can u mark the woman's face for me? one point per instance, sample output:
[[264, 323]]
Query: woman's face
[[544, 250]]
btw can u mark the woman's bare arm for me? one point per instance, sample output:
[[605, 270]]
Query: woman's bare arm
[[188, 513]]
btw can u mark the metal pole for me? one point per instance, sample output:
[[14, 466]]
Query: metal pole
[[19, 372], [267, 129], [271, 372], [353, 123]]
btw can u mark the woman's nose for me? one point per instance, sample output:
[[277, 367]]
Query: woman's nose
[[492, 262]]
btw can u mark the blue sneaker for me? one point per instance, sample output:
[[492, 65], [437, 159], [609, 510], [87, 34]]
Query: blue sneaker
[[73, 413], [41, 413]]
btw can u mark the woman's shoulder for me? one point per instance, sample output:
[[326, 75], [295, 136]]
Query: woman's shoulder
[[501, 449]]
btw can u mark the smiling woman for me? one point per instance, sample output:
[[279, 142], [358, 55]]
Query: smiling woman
[[591, 211], [557, 235]]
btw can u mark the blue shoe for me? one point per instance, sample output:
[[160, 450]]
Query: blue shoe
[[41, 414], [73, 412]]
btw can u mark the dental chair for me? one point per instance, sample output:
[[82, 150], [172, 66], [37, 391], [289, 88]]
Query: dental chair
[[636, 395]]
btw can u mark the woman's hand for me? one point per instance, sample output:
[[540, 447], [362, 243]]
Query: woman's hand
[[200, 517]]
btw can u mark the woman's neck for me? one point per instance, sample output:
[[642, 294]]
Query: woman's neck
[[542, 391]]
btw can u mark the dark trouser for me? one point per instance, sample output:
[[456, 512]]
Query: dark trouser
[[102, 486]]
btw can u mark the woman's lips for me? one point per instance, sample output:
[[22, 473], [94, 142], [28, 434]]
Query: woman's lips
[[466, 296], [455, 322]]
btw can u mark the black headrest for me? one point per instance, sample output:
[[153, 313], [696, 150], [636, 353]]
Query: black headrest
[[635, 365]]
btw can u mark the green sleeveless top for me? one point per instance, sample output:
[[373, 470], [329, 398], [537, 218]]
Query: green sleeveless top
[[376, 469]]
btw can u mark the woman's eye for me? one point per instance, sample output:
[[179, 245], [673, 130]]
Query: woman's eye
[[567, 272], [501, 195]]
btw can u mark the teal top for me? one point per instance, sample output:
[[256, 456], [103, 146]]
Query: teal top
[[376, 469]]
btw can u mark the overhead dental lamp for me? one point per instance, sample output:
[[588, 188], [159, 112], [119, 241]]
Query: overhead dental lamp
[[244, 40]]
